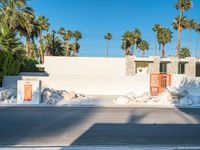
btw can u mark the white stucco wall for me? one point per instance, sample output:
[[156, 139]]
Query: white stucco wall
[[92, 66], [97, 76]]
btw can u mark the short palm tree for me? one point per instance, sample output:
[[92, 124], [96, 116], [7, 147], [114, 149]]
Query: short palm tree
[[185, 52], [143, 46], [191, 25], [77, 36], [108, 38], [164, 37], [67, 37], [75, 48], [127, 42], [182, 6], [9, 42]]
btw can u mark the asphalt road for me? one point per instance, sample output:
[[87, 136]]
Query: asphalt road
[[28, 126]]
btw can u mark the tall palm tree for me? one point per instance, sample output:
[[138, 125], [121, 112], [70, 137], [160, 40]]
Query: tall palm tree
[[108, 37], [191, 25], [198, 37], [42, 25], [164, 37], [15, 13], [143, 46], [182, 6], [17, 16], [156, 29], [77, 36], [137, 37]]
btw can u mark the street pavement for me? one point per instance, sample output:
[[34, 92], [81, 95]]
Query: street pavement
[[68, 127]]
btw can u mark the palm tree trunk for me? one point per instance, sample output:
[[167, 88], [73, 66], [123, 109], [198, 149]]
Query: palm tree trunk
[[163, 51], [67, 48], [41, 51], [179, 36], [107, 47], [27, 46], [142, 53], [189, 39], [135, 50], [125, 50]]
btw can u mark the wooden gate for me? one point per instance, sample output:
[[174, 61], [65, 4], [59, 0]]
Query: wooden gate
[[159, 82]]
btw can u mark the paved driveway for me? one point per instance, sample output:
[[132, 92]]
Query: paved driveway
[[99, 126]]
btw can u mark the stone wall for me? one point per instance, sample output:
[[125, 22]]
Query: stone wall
[[154, 67], [190, 67], [130, 66], [172, 67]]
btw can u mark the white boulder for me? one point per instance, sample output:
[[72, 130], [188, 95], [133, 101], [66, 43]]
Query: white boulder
[[122, 100], [69, 96]]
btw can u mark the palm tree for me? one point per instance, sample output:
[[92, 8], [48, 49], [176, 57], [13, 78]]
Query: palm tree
[[42, 25], [67, 36], [15, 13], [191, 25], [182, 6], [9, 42], [17, 16], [137, 37], [107, 37], [75, 48], [77, 36], [164, 37], [52, 45], [143, 46], [156, 29], [198, 31], [127, 40], [185, 52]]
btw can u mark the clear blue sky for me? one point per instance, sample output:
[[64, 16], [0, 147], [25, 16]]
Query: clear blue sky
[[94, 18]]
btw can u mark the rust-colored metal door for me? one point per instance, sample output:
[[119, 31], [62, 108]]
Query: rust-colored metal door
[[159, 82]]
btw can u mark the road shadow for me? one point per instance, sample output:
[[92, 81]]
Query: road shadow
[[141, 134], [37, 126]]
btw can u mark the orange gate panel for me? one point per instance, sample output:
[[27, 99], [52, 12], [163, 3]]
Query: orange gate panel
[[27, 92], [159, 82]]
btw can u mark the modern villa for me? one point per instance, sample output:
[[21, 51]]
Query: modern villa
[[112, 76]]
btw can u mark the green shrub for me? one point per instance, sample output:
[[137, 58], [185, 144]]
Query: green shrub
[[8, 65], [29, 65]]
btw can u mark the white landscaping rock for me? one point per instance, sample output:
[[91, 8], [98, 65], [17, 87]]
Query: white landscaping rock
[[122, 100], [69, 96], [177, 92], [131, 95], [165, 98], [51, 96], [7, 96]]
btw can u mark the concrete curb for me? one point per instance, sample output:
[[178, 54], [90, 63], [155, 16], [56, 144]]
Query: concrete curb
[[106, 106], [98, 148]]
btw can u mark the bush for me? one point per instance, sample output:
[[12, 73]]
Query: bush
[[8, 65], [29, 65]]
